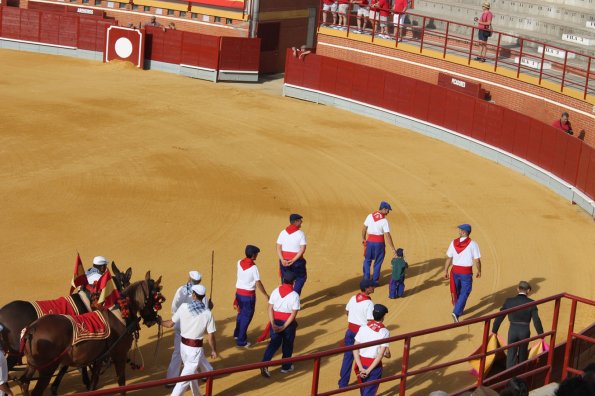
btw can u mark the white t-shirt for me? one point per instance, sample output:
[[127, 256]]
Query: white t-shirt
[[465, 258], [287, 304], [379, 227], [247, 278], [359, 313], [183, 296], [194, 327], [291, 242], [93, 275], [3, 368], [366, 334]]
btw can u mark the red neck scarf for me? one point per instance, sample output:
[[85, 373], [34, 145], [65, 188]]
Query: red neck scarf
[[292, 228], [376, 326], [285, 289], [377, 216], [461, 245], [361, 297], [246, 263]]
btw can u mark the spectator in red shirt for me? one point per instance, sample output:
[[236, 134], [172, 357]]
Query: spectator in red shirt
[[484, 25], [332, 6], [363, 13], [399, 10], [380, 9], [343, 9], [563, 124]]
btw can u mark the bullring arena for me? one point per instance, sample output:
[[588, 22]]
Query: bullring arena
[[155, 171]]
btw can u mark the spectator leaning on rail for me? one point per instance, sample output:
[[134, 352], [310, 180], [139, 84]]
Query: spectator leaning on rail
[[342, 13], [485, 31], [379, 10], [519, 324], [329, 6], [399, 9], [563, 124], [363, 13]]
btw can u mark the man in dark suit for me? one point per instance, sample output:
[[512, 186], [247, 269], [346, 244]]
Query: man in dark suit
[[519, 324]]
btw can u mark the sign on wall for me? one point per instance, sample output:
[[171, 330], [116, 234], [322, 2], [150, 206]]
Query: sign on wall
[[125, 44]]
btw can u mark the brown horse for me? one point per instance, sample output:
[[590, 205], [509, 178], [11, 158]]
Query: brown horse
[[48, 342], [17, 315]]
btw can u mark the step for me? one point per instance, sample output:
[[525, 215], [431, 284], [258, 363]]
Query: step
[[557, 53], [533, 64], [582, 40]]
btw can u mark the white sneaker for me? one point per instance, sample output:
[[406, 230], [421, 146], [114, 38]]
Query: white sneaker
[[455, 318], [289, 370]]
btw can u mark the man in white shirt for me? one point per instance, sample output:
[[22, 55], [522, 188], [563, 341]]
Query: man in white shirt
[[375, 233], [247, 281], [359, 312], [4, 388], [462, 253], [194, 320], [291, 246], [99, 267], [284, 305], [368, 361], [184, 296]]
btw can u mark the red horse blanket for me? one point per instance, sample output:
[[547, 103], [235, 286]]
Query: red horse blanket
[[89, 326], [60, 306]]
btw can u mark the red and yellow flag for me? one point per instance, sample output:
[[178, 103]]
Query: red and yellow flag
[[79, 278], [109, 293]]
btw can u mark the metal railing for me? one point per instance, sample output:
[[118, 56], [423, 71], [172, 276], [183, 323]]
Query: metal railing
[[405, 373], [559, 67]]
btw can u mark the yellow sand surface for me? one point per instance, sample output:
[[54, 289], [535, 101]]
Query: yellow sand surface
[[155, 171]]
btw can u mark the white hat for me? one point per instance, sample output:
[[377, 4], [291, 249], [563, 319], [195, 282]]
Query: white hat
[[99, 260], [199, 289], [195, 275]]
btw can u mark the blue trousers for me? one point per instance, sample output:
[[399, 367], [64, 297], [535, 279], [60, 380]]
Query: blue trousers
[[284, 340], [463, 285], [347, 360], [374, 252], [396, 288], [301, 274], [246, 306], [374, 375]]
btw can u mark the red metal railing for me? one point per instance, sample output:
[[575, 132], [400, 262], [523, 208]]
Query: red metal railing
[[522, 55], [406, 372]]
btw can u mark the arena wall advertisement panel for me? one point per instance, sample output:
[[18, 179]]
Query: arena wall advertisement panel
[[565, 156]]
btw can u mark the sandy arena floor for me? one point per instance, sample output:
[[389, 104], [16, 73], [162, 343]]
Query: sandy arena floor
[[155, 171]]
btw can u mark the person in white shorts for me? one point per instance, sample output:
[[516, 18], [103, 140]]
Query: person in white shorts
[[342, 11], [363, 13], [329, 6], [379, 10], [195, 320]]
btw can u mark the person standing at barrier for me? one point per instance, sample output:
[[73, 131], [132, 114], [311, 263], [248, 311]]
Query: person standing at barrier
[[519, 324], [194, 320], [563, 124], [248, 279], [291, 246], [375, 233], [379, 10], [184, 296], [342, 12], [284, 305], [363, 13], [462, 254], [359, 312], [484, 24], [368, 361], [329, 6], [399, 9]]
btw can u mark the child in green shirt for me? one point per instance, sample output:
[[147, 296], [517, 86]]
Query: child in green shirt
[[397, 281]]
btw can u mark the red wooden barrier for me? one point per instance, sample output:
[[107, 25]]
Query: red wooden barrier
[[238, 53], [11, 22], [92, 33], [200, 50], [565, 156], [30, 24]]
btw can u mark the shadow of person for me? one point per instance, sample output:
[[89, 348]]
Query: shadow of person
[[492, 302], [432, 270], [347, 287]]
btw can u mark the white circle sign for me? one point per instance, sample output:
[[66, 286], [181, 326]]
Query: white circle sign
[[123, 47]]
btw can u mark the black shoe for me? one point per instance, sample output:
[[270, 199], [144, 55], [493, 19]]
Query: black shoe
[[264, 371], [477, 58], [482, 60]]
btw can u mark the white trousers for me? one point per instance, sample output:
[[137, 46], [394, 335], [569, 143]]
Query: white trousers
[[175, 365], [193, 358], [3, 370]]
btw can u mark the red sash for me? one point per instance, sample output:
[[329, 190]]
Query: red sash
[[353, 327], [246, 263], [361, 297], [281, 315], [288, 255], [292, 228], [460, 246], [375, 238], [192, 343], [244, 292]]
